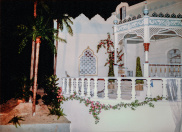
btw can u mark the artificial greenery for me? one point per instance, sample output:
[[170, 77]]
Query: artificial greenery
[[24, 85], [96, 107], [53, 96], [36, 28], [138, 71], [15, 120]]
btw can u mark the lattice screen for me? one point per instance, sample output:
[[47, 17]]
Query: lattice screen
[[88, 63]]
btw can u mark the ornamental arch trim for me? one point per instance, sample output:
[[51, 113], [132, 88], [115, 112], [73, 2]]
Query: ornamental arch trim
[[156, 30], [138, 32]]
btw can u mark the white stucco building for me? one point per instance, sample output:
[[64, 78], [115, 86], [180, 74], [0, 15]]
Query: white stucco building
[[150, 30]]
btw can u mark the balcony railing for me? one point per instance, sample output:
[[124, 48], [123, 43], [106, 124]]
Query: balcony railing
[[93, 86], [165, 70]]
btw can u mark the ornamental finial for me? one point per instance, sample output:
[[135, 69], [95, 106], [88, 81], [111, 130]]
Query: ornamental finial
[[145, 11]]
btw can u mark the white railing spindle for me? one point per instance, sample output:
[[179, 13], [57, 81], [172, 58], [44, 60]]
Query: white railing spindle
[[88, 88], [119, 89], [71, 92], [179, 90], [82, 88], [63, 86], [106, 89], [67, 86], [95, 88], [164, 93], [133, 93], [77, 79], [148, 88]]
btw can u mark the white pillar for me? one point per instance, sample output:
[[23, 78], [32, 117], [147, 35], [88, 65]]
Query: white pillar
[[146, 44], [146, 69]]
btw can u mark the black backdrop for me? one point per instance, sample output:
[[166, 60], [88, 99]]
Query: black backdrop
[[14, 12]]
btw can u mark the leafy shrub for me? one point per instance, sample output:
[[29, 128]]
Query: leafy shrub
[[15, 120], [53, 96]]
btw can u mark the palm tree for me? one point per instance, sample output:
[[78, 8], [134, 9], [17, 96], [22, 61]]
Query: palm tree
[[37, 30], [64, 21]]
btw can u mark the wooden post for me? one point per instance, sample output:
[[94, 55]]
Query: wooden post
[[119, 89]]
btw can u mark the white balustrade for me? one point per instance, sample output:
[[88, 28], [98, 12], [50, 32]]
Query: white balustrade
[[165, 70], [106, 89], [86, 91], [133, 92], [95, 88], [88, 88], [148, 89], [119, 89]]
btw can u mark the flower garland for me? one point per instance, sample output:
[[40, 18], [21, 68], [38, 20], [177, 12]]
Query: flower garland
[[96, 107], [109, 45]]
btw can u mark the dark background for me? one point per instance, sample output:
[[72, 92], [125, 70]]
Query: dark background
[[15, 12]]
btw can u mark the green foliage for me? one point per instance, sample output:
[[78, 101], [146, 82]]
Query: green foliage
[[138, 71], [53, 97], [36, 28], [15, 120], [24, 85], [65, 20]]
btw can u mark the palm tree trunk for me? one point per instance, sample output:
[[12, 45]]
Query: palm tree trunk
[[35, 75], [55, 59], [32, 62]]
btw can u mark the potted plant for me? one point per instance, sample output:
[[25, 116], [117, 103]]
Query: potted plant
[[139, 83]]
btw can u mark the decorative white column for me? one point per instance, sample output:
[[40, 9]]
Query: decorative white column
[[95, 88], [88, 88], [146, 40], [106, 89], [119, 89]]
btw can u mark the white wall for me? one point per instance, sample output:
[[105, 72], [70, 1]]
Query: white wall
[[143, 119], [86, 33]]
